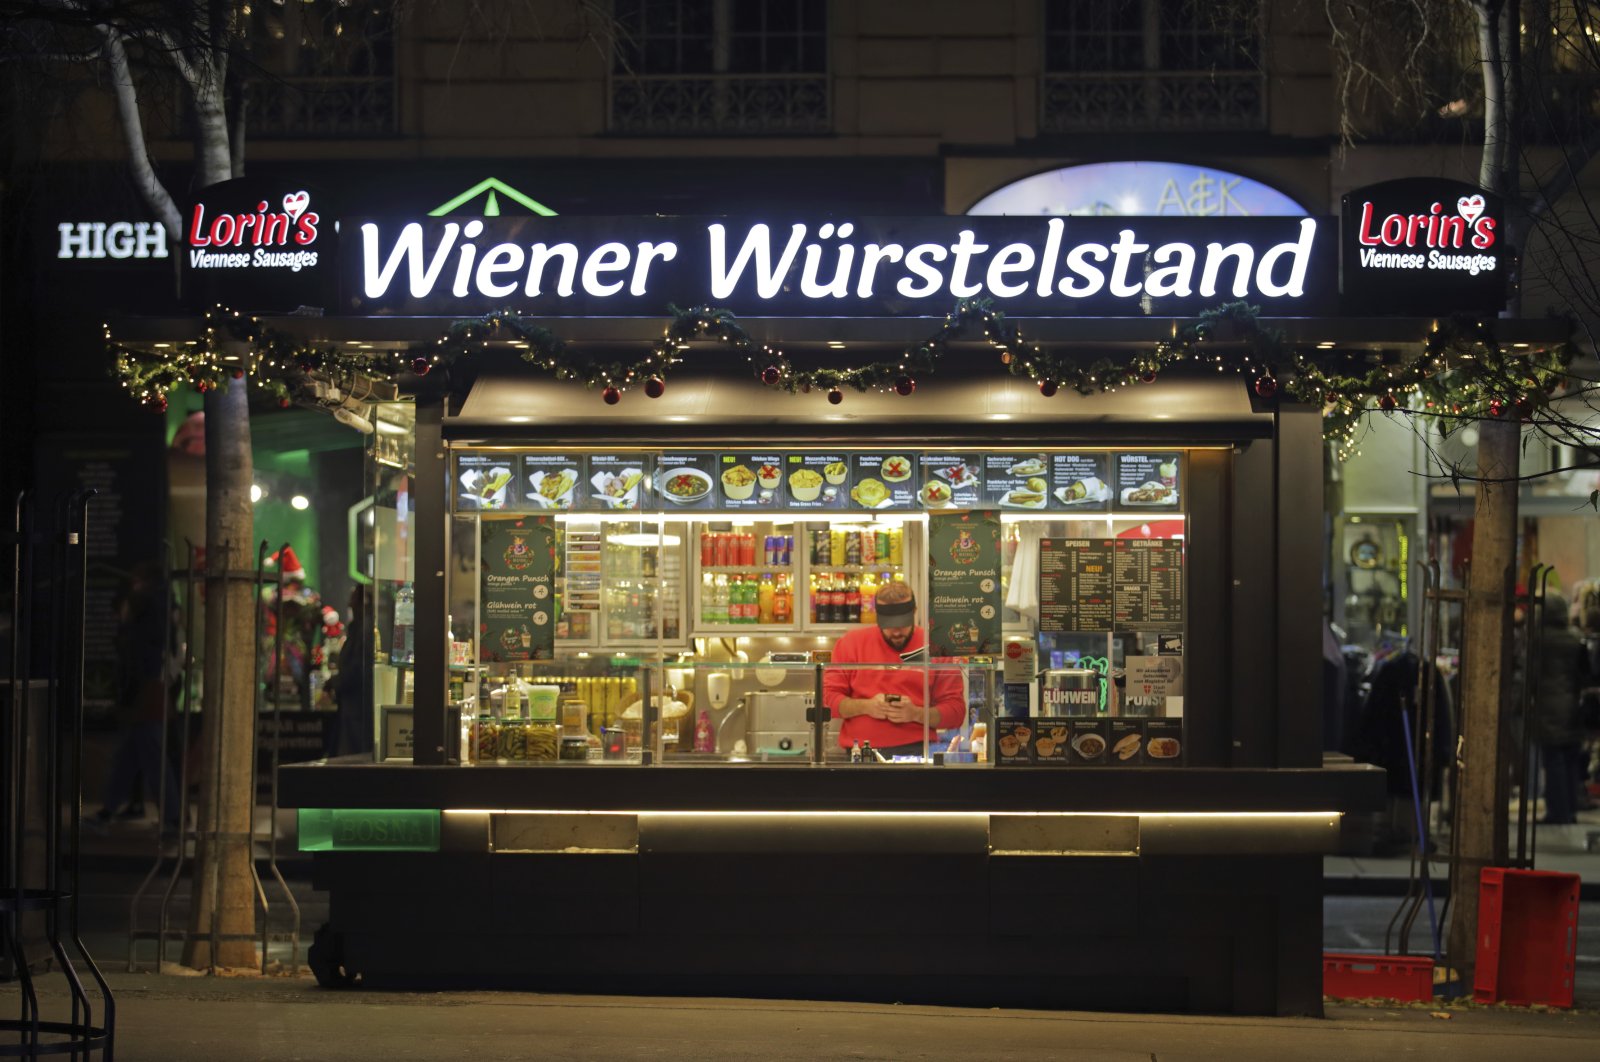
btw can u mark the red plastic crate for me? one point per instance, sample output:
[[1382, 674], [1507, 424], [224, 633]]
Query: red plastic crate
[[1527, 937], [1402, 977]]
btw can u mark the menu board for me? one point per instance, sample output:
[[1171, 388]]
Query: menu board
[[551, 481], [816, 481], [1016, 481], [749, 481], [1149, 584], [687, 481], [951, 481], [884, 481], [487, 482], [1147, 481], [1080, 482], [516, 588], [617, 481], [964, 583], [1075, 585]]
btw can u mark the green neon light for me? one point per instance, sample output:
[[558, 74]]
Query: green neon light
[[491, 208], [368, 830]]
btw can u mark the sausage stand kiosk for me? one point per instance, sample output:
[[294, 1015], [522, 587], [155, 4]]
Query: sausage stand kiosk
[[606, 752]]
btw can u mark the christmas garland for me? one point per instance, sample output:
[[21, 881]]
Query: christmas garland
[[1462, 371]]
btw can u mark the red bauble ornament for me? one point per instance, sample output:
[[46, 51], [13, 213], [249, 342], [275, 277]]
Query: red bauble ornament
[[283, 403], [238, 374], [769, 375], [420, 366], [1047, 388], [202, 386], [1387, 403], [611, 395], [835, 395], [655, 387], [1496, 407], [1266, 386], [805, 387], [905, 385], [1148, 376], [1005, 357], [161, 405]]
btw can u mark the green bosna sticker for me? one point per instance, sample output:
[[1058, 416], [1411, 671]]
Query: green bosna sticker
[[369, 830]]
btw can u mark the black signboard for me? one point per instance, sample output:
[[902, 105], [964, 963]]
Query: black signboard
[[1419, 246], [487, 482], [516, 588], [1080, 482], [786, 266], [617, 482], [950, 481], [552, 481], [1148, 573], [1147, 481], [1016, 481], [1075, 587], [964, 583], [261, 244], [687, 481], [884, 481], [817, 481], [751, 480]]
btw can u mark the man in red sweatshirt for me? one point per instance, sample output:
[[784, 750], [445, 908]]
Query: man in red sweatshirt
[[892, 708]]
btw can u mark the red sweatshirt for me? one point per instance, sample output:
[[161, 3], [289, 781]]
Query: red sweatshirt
[[866, 645]]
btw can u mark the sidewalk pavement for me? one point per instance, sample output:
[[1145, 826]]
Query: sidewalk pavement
[[176, 1019]]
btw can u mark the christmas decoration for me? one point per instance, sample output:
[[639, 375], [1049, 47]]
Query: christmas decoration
[[835, 395], [904, 386], [420, 366], [611, 395], [655, 387], [1047, 388], [1266, 386], [770, 375], [1387, 403]]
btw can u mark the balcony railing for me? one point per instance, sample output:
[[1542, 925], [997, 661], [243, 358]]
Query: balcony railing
[[322, 108], [720, 104], [1166, 100]]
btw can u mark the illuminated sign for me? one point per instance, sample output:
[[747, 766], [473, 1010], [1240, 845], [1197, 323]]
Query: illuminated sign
[[1139, 189], [111, 239], [1422, 246], [491, 189], [260, 244], [574, 266], [259, 237]]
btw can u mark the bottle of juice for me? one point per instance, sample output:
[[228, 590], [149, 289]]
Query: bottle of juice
[[765, 605], [837, 549], [897, 546], [783, 601], [869, 598]]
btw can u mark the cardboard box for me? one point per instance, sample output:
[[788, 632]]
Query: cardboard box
[[1163, 742], [1126, 743], [1090, 742]]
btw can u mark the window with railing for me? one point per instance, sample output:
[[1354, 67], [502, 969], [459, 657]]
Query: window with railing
[[1151, 64], [720, 67], [320, 71]]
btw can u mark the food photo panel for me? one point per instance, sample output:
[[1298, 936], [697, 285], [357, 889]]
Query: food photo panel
[[884, 481], [617, 482], [487, 482], [817, 481], [552, 481], [1080, 482], [950, 481], [751, 480], [688, 481], [1148, 480], [1016, 481]]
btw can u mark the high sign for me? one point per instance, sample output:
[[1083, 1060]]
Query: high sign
[[257, 244], [1421, 246], [114, 239], [580, 266]]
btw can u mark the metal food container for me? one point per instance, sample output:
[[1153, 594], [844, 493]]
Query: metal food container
[[1069, 691]]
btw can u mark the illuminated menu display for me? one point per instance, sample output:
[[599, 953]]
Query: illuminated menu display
[[1075, 584]]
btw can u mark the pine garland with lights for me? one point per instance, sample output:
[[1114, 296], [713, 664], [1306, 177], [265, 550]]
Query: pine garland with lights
[[1461, 373]]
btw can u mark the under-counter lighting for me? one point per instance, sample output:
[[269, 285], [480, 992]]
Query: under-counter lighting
[[999, 416], [836, 344], [519, 419]]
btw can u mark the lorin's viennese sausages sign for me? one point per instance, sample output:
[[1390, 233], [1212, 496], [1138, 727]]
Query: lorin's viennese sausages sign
[[258, 244], [1422, 246]]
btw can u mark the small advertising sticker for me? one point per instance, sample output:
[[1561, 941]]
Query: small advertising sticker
[[1013, 742], [817, 481], [1090, 740], [552, 481], [617, 482], [516, 588], [1163, 742], [749, 481], [1050, 737], [1016, 481], [687, 481], [1147, 481], [1127, 743], [1020, 658], [1080, 482], [884, 481], [487, 482], [1149, 681]]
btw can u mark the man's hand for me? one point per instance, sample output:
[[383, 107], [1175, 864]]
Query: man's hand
[[903, 710]]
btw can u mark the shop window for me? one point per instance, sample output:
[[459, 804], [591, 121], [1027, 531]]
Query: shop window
[[321, 70], [1151, 64], [717, 67]]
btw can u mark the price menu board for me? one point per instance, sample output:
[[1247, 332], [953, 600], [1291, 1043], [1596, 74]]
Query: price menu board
[[516, 588], [1147, 481], [884, 481], [816, 481], [951, 481], [552, 481], [687, 481], [1016, 481], [487, 482], [1075, 584], [1148, 574], [750, 481], [618, 482], [1080, 482], [964, 583]]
